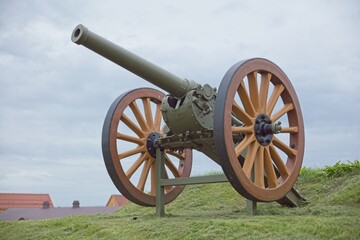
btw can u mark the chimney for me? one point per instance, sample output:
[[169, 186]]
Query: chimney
[[76, 204], [46, 205]]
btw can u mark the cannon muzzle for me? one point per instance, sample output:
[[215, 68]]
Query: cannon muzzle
[[154, 74]]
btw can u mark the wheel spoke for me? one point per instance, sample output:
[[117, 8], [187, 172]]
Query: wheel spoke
[[278, 89], [162, 129], [264, 89], [250, 158], [283, 170], [176, 154], [259, 168], [144, 174], [128, 138], [148, 114], [136, 165], [283, 147], [269, 168], [289, 130], [171, 167], [243, 144], [246, 130], [241, 114], [132, 125], [138, 115], [285, 109], [245, 99], [253, 88], [132, 152], [158, 116]]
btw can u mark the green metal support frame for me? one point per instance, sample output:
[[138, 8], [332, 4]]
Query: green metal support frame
[[161, 183], [160, 194], [292, 199]]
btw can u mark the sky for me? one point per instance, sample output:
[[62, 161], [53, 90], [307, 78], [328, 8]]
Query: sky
[[54, 94]]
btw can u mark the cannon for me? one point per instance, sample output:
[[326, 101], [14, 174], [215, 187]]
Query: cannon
[[251, 126]]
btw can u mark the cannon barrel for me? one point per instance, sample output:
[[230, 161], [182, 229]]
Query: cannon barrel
[[154, 74]]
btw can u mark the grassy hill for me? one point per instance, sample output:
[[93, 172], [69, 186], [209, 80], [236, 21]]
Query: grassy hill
[[216, 211]]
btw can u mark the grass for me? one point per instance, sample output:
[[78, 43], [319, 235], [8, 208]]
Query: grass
[[217, 211]]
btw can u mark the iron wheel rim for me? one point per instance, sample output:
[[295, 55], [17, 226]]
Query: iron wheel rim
[[110, 141], [237, 170]]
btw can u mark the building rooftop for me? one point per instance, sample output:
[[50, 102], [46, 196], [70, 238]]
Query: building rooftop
[[24, 200], [117, 200]]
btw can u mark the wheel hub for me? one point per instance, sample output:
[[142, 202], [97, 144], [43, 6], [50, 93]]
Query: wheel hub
[[265, 129], [150, 143]]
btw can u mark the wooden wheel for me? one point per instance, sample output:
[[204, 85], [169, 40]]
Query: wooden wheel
[[133, 122], [260, 158]]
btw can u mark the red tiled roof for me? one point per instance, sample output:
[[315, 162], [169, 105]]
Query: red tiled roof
[[23, 200], [117, 200]]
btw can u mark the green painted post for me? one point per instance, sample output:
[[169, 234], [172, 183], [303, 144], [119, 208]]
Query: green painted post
[[160, 195], [251, 207]]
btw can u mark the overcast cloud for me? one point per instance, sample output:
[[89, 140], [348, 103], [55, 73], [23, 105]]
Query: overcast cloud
[[54, 95]]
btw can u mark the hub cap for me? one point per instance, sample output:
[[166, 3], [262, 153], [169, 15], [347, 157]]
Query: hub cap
[[265, 129], [150, 143]]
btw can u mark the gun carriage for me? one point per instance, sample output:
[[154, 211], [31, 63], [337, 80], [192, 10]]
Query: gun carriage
[[237, 126]]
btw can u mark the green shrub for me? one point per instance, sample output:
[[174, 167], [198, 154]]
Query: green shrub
[[307, 172], [341, 169]]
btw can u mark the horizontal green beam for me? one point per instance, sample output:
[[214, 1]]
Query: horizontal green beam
[[193, 180]]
